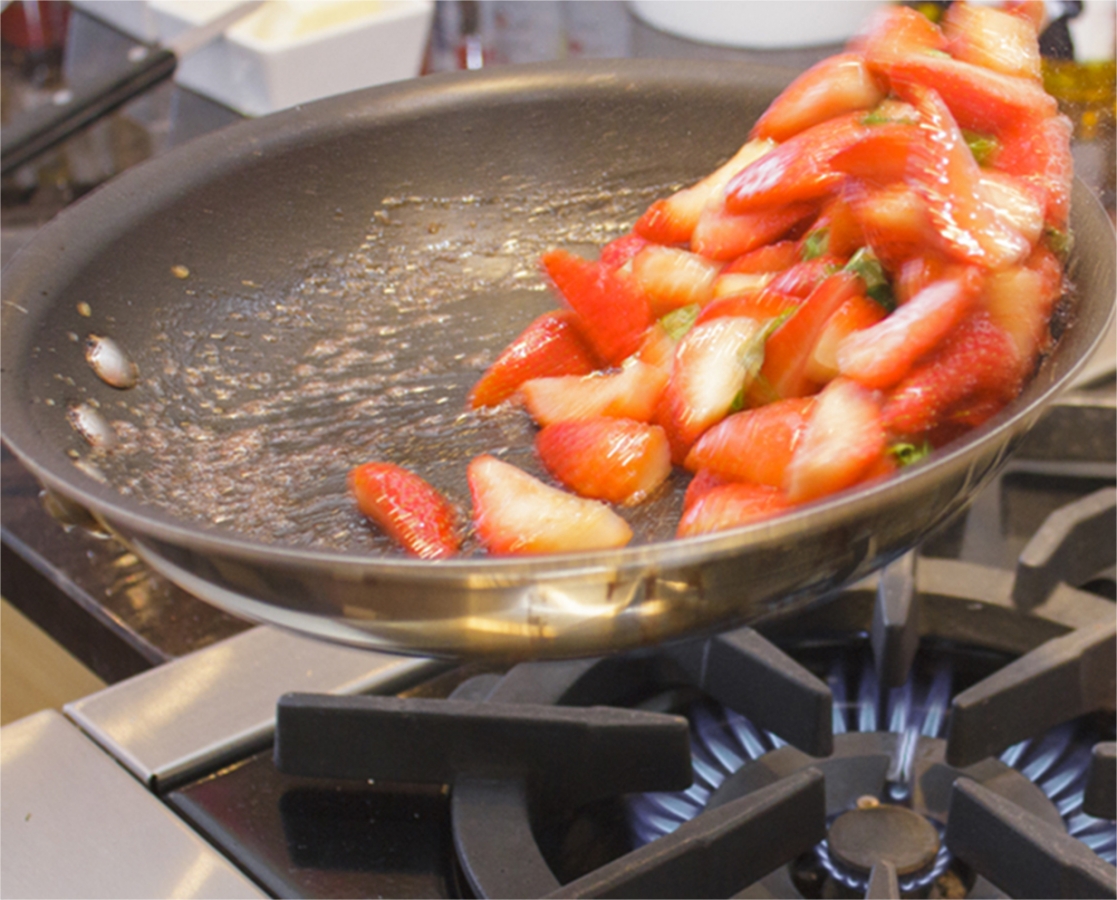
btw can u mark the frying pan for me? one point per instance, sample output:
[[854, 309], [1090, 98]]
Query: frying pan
[[321, 287]]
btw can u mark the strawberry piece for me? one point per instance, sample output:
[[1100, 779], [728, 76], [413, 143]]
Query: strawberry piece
[[764, 304], [714, 362], [612, 314], [407, 508], [771, 258], [798, 170], [1019, 204], [631, 393], [754, 445], [1020, 301], [803, 278], [843, 441], [617, 460], [840, 227], [895, 221], [722, 235], [856, 314], [658, 348], [836, 85], [702, 483], [917, 273], [619, 251], [671, 220], [878, 357], [731, 506], [515, 513], [671, 278], [993, 39], [949, 180], [550, 345], [972, 376], [1040, 154], [882, 156], [790, 347], [896, 32], [978, 98]]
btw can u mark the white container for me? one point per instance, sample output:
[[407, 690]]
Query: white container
[[757, 24], [287, 53]]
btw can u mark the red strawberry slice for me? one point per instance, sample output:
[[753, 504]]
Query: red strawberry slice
[[896, 32], [836, 85], [843, 441], [702, 483], [617, 460], [856, 314], [550, 345], [731, 506], [976, 369], [883, 155], [788, 350], [895, 221], [722, 235], [670, 277], [839, 227], [754, 445], [619, 251], [612, 314], [878, 357], [1040, 153], [944, 172], [672, 219], [631, 393], [1020, 301], [762, 304], [801, 279], [771, 258], [407, 508], [714, 363], [515, 513], [798, 170], [993, 38]]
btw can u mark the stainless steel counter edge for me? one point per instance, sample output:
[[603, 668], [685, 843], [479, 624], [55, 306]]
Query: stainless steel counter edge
[[218, 703], [76, 824]]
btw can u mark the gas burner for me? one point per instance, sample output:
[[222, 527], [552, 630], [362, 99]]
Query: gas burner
[[888, 786]]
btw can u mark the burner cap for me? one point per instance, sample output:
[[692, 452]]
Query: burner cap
[[862, 837]]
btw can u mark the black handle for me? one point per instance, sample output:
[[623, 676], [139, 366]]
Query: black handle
[[39, 129]]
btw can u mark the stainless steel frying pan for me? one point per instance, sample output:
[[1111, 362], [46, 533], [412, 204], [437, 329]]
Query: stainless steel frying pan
[[321, 287]]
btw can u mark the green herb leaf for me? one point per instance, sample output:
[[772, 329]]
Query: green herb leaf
[[1060, 242], [867, 267], [907, 454], [815, 244], [679, 321], [984, 147]]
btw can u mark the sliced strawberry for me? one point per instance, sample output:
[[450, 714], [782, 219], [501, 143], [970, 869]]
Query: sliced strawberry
[[883, 155], [843, 441], [671, 277], [613, 315], [722, 235], [671, 220], [658, 348], [1039, 152], [550, 345], [515, 513], [771, 258], [630, 393], [788, 350], [1020, 301], [949, 180], [836, 85], [878, 357], [798, 170], [839, 227], [617, 460], [856, 314], [896, 32], [803, 278], [731, 506], [702, 483], [763, 305], [895, 221], [754, 445], [1020, 204], [917, 273], [407, 508], [714, 362], [620, 250], [737, 284], [978, 98], [993, 39], [978, 362]]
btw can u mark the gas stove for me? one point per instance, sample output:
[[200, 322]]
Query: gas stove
[[943, 729]]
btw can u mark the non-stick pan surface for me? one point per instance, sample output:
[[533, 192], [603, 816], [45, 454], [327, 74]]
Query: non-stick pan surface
[[322, 287]]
